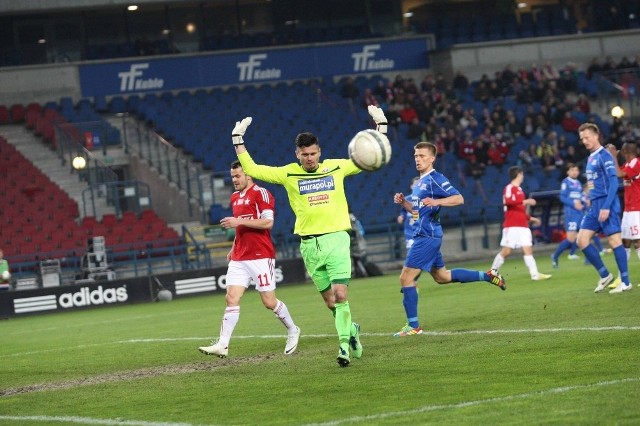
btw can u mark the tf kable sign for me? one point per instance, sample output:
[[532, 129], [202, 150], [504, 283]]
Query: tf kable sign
[[165, 74]]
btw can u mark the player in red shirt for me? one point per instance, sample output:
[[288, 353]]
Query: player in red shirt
[[630, 174], [515, 228], [251, 258]]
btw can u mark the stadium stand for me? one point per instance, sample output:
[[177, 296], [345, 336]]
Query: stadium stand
[[184, 119], [40, 221]]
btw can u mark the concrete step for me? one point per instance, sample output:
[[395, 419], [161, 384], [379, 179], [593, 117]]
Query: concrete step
[[48, 162]]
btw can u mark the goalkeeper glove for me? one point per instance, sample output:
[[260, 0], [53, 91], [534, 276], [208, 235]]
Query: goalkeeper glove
[[238, 131], [378, 116]]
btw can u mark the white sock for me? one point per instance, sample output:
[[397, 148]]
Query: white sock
[[638, 252], [531, 264], [229, 321], [628, 250], [282, 313], [498, 261]]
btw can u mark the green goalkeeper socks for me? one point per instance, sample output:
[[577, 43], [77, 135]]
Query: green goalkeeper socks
[[343, 322]]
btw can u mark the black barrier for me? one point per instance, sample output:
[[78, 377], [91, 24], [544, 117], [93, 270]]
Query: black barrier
[[92, 294]]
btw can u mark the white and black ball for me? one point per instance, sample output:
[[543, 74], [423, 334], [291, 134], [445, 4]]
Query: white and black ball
[[370, 150]]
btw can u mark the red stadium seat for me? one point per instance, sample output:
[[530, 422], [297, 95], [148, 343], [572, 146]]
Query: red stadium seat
[[88, 222], [109, 220], [4, 115], [17, 112]]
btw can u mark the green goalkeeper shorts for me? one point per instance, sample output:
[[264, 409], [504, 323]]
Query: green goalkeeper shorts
[[327, 259]]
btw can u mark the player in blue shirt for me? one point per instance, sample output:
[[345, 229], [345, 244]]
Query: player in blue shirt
[[432, 192], [596, 239], [604, 213], [409, 221], [576, 203], [571, 196]]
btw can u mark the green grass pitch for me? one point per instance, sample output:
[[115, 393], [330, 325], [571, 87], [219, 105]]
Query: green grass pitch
[[549, 352]]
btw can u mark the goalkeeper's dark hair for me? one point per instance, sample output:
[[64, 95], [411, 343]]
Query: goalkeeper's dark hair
[[514, 171], [306, 139]]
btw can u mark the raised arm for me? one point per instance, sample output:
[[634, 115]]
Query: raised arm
[[258, 171], [614, 153], [238, 133]]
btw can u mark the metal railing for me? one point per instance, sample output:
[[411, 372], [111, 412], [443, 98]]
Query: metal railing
[[177, 167], [619, 87], [132, 196], [71, 144]]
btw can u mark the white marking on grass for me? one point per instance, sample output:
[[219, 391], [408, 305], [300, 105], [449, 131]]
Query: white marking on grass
[[428, 408], [428, 333], [66, 348], [324, 336], [90, 421]]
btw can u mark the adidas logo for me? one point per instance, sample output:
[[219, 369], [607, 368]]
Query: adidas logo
[[99, 296]]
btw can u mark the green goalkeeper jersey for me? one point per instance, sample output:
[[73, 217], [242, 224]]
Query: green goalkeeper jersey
[[317, 198]]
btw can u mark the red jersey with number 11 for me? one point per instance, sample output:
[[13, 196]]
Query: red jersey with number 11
[[515, 212], [250, 243]]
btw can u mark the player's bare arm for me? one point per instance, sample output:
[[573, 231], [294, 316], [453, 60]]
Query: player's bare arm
[[603, 215], [614, 153], [398, 198]]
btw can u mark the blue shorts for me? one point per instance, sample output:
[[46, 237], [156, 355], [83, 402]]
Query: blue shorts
[[425, 254], [572, 221], [610, 226]]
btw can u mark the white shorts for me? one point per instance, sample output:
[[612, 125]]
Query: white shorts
[[516, 237], [631, 225], [258, 272]]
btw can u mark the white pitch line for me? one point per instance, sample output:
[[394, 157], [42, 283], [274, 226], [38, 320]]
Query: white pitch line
[[428, 408], [425, 333], [354, 419], [324, 336]]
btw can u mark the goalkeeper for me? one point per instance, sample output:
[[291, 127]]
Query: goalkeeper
[[317, 197]]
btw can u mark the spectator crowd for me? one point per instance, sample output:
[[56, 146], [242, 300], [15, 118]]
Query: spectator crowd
[[533, 113]]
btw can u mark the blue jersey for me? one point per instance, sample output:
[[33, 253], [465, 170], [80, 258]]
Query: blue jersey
[[601, 177], [431, 185], [571, 190], [410, 220]]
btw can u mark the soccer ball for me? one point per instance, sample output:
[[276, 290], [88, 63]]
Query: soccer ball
[[370, 150], [6, 275]]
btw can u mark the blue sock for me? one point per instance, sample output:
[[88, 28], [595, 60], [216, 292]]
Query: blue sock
[[565, 244], [621, 260], [410, 302], [593, 256], [597, 242], [468, 276], [574, 247]]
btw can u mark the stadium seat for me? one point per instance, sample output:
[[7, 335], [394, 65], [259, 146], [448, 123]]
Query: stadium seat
[[17, 113], [5, 118]]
